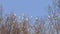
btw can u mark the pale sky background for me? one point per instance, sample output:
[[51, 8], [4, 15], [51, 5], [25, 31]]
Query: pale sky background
[[29, 7]]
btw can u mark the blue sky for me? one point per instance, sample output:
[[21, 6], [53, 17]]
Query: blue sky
[[29, 7]]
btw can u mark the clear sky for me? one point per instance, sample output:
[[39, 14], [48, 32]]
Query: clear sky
[[29, 7]]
